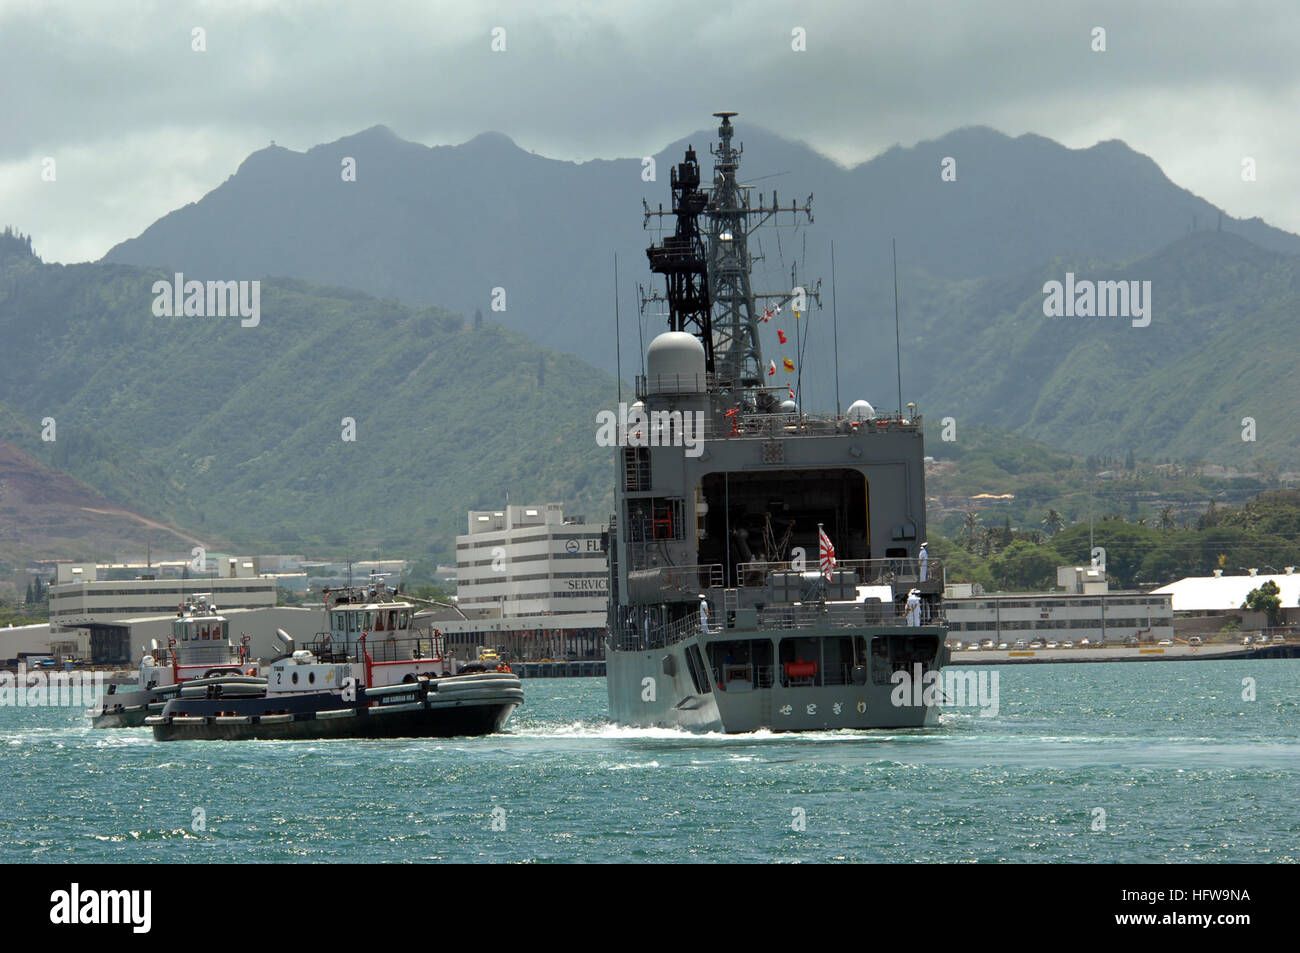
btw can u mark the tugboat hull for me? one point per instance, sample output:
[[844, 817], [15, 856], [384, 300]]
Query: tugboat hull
[[439, 708], [130, 709]]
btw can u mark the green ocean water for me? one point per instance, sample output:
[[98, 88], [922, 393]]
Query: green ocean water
[[1184, 769]]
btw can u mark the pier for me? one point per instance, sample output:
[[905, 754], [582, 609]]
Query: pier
[[589, 668], [1178, 652]]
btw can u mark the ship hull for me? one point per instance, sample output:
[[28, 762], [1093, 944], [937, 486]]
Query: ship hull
[[655, 688], [443, 708], [129, 709]]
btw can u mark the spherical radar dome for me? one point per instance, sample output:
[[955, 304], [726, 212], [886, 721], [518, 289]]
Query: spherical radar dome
[[675, 362], [860, 410]]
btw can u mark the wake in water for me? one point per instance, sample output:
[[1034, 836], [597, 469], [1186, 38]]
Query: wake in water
[[609, 731]]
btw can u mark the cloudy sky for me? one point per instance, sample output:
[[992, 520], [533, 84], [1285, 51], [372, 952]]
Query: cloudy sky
[[138, 122]]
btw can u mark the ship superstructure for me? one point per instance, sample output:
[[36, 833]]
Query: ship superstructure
[[373, 672], [199, 651], [728, 610]]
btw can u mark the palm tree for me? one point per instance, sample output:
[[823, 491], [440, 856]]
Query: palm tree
[[969, 524], [1053, 522]]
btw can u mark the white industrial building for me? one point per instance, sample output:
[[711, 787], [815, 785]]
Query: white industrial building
[[1084, 609], [1220, 593], [531, 582], [89, 604]]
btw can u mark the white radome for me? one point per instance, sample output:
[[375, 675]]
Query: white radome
[[860, 411]]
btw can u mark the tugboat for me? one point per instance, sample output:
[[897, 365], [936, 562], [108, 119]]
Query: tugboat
[[375, 673], [767, 566], [199, 654]]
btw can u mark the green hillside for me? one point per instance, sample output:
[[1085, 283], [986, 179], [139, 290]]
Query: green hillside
[[238, 431], [1219, 348]]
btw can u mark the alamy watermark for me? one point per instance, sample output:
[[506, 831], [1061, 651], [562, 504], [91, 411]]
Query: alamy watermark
[[212, 299], [950, 688], [1098, 299], [658, 428], [50, 689], [133, 908]]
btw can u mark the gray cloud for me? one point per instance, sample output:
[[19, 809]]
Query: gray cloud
[[139, 124]]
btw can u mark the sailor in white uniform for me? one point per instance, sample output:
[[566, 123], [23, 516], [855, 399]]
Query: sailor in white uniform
[[914, 607], [924, 558], [704, 614]]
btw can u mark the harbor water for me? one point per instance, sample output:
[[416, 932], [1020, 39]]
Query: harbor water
[[1151, 762]]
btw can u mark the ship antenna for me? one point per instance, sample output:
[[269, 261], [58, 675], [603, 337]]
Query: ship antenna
[[835, 325], [898, 347], [640, 336], [618, 341]]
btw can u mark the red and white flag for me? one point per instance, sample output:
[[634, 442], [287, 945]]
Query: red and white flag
[[771, 368], [827, 552], [780, 336]]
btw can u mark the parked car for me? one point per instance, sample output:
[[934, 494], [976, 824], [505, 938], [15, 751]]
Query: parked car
[[1279, 637], [1022, 644], [1052, 645], [1037, 644], [1165, 642], [1195, 640], [986, 644], [1245, 640], [1067, 645], [1002, 646], [1083, 642]]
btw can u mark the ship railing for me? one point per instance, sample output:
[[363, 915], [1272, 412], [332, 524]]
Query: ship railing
[[817, 615], [870, 572], [668, 428], [692, 578], [779, 618], [774, 426], [675, 384], [635, 637], [419, 644]]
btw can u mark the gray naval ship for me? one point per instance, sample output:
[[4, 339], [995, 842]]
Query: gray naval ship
[[767, 566]]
